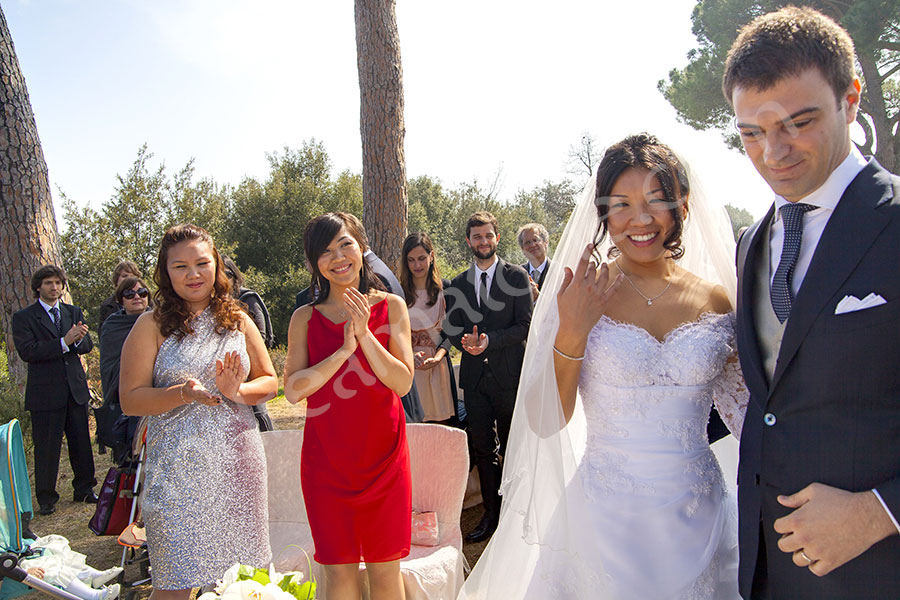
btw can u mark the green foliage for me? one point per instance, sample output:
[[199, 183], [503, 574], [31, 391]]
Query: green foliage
[[12, 402], [130, 225], [261, 223], [267, 220], [695, 90], [740, 218]]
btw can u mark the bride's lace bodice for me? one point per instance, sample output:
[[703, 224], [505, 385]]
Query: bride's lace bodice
[[647, 403], [629, 378]]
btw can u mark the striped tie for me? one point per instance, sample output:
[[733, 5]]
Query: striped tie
[[781, 294], [56, 321]]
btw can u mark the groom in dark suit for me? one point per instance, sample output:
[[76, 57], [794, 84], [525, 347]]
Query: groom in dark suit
[[818, 324], [50, 335], [488, 320]]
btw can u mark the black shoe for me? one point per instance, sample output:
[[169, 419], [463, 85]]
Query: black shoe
[[484, 530], [88, 498], [47, 509], [26, 527]]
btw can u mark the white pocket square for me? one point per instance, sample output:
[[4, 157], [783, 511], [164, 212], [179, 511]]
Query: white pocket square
[[853, 304]]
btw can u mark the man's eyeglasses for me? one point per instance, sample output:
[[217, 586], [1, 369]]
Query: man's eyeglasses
[[142, 292]]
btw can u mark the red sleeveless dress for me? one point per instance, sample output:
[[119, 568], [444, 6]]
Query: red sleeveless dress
[[355, 461]]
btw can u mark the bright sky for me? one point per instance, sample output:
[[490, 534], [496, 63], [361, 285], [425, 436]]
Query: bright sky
[[498, 86]]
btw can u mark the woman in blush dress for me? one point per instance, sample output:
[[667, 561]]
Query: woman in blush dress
[[424, 290], [350, 356], [611, 489], [195, 365]]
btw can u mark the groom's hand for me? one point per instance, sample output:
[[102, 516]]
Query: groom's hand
[[830, 526]]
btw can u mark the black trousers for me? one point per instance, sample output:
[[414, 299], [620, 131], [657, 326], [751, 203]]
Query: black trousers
[[47, 428], [263, 420], [489, 410]]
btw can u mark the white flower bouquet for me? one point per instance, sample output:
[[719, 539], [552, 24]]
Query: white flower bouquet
[[241, 582]]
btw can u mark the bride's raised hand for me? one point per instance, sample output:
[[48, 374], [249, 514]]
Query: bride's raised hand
[[583, 297]]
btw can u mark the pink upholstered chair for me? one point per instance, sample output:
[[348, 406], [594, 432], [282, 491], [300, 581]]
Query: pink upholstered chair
[[439, 460], [288, 525]]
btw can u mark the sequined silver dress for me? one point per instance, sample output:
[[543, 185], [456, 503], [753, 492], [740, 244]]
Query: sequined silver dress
[[204, 501]]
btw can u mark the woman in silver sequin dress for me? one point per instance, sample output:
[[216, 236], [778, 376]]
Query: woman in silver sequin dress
[[204, 499]]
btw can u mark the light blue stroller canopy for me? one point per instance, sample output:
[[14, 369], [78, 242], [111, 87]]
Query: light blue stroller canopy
[[16, 495], [15, 499]]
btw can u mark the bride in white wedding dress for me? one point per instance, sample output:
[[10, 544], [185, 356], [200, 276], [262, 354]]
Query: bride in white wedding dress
[[610, 487]]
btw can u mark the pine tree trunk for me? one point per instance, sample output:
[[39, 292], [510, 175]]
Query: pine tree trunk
[[28, 235], [382, 128]]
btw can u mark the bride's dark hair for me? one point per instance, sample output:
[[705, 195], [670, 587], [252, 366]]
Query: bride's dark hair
[[644, 151]]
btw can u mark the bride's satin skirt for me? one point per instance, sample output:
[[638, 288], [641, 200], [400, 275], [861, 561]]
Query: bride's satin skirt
[[676, 539]]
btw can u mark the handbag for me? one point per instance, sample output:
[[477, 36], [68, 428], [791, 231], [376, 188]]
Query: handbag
[[114, 503]]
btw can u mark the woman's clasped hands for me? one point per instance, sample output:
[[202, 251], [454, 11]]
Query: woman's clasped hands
[[230, 375], [356, 306], [194, 391]]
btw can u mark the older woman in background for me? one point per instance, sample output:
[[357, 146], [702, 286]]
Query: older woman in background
[[133, 295]]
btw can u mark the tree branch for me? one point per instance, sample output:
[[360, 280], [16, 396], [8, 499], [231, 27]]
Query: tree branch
[[886, 75], [869, 146]]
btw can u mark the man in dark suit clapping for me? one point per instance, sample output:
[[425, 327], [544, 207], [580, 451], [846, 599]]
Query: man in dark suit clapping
[[488, 320], [49, 336]]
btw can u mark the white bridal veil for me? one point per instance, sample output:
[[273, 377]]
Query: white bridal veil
[[537, 549]]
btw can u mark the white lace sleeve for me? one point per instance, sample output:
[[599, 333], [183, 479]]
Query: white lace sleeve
[[730, 395]]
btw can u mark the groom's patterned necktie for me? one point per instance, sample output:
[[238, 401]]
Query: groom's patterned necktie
[[55, 311], [780, 293]]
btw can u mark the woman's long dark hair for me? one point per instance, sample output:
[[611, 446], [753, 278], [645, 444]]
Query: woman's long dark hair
[[172, 312], [644, 151], [320, 232], [433, 283]]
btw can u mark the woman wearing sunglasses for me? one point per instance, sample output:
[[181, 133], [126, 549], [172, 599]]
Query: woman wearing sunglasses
[[132, 294]]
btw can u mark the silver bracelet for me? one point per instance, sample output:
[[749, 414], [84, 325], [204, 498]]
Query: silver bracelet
[[569, 356]]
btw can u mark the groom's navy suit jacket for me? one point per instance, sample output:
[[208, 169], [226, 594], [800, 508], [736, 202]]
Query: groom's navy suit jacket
[[831, 413]]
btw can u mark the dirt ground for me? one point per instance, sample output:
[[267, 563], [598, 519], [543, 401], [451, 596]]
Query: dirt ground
[[71, 519]]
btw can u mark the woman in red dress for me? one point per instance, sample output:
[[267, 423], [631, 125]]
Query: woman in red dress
[[350, 356]]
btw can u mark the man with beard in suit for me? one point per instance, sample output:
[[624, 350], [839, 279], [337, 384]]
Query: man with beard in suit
[[818, 323], [50, 335], [488, 320]]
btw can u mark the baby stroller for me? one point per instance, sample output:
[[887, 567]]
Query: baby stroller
[[133, 538], [118, 510], [15, 514]]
